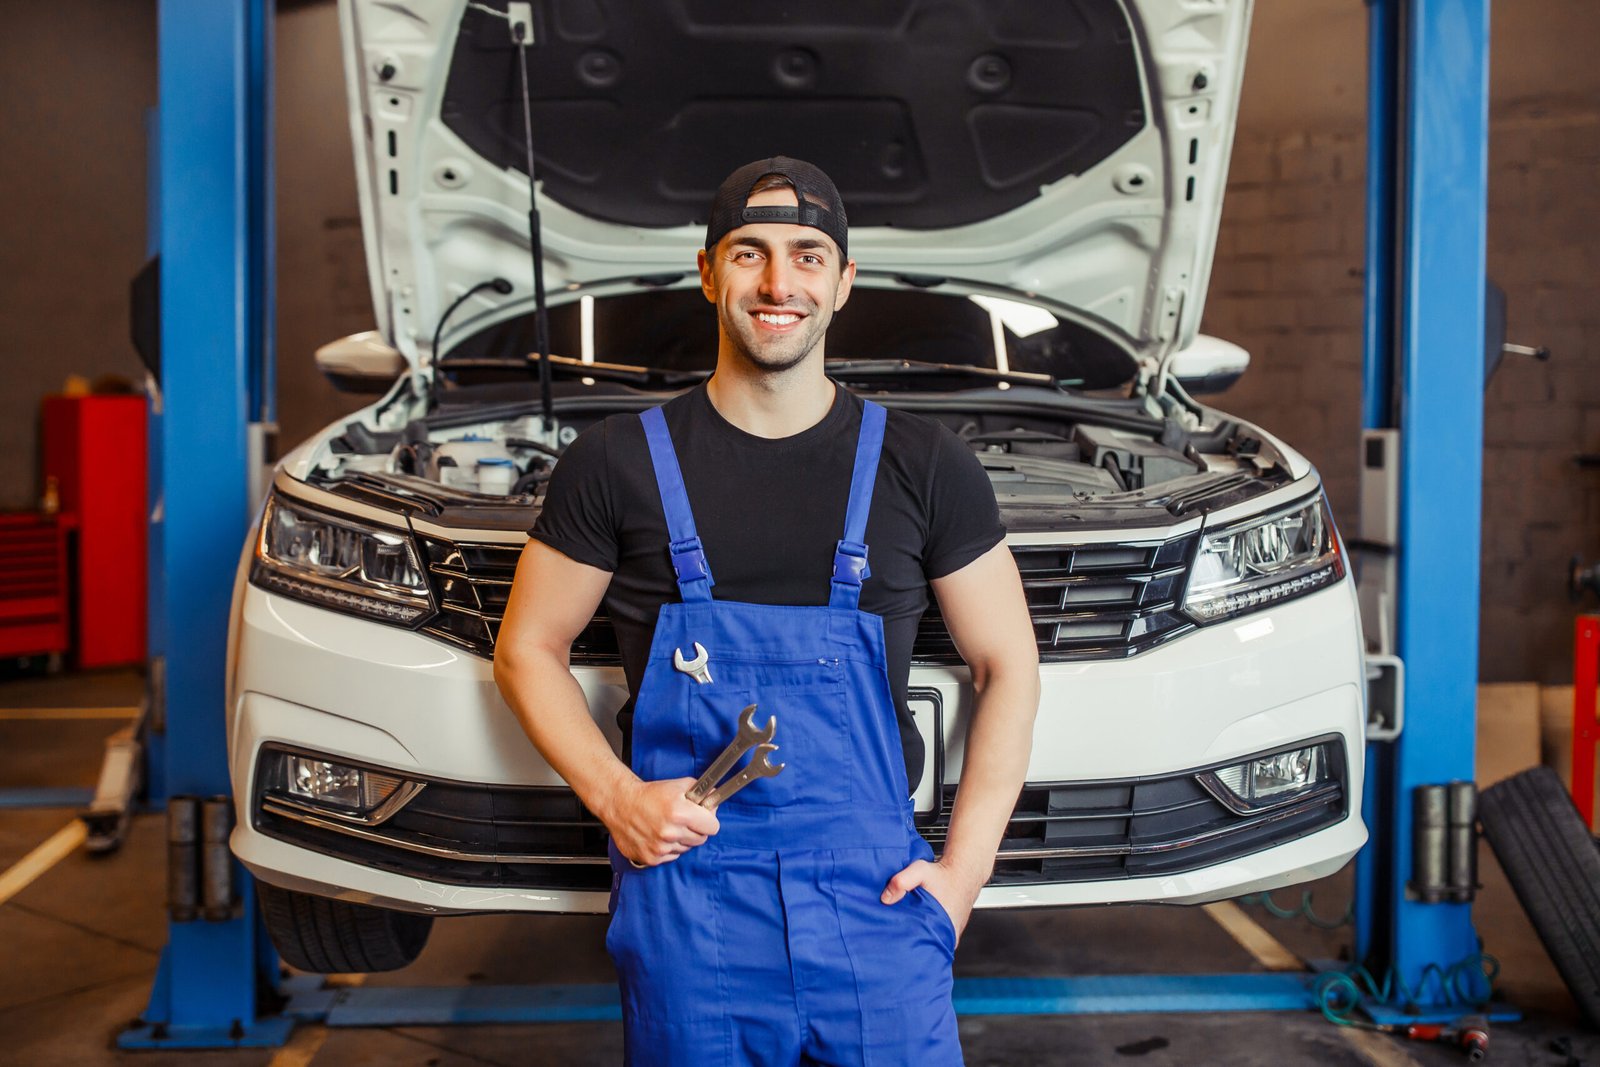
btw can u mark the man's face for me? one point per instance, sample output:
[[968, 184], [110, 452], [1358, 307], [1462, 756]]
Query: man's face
[[776, 287]]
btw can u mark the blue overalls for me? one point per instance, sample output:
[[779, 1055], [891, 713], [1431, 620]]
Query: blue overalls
[[769, 944]]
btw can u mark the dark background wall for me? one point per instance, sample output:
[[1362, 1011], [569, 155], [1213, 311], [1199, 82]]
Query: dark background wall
[[76, 77], [1287, 283]]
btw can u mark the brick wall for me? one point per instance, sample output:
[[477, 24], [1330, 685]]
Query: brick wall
[[1539, 507], [1288, 286]]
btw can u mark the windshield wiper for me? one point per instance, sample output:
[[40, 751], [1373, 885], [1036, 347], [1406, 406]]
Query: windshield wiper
[[567, 367], [877, 369]]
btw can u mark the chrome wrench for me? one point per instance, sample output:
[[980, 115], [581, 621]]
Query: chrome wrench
[[695, 668], [748, 737], [758, 767]]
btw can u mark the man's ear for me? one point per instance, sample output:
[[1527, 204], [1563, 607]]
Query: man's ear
[[708, 281], [847, 278]]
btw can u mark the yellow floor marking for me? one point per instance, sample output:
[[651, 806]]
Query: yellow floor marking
[[308, 1038], [302, 1047], [69, 713], [1380, 1050], [53, 851], [1268, 950]]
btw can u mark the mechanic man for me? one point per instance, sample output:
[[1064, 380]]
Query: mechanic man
[[804, 921]]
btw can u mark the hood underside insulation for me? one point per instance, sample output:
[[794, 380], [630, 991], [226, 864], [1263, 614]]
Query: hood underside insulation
[[926, 113]]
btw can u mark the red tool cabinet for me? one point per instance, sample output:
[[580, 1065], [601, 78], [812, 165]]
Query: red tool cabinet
[[34, 612], [94, 447]]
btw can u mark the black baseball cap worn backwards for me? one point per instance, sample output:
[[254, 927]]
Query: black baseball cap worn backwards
[[818, 205]]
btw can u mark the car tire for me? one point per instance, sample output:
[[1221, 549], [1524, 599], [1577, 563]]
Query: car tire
[[327, 936], [1553, 865]]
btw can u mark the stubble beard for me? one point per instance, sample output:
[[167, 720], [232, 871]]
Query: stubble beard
[[782, 354]]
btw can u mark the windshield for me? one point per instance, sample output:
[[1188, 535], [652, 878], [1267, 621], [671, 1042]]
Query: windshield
[[675, 329]]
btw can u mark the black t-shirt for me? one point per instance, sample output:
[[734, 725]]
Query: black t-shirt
[[769, 514]]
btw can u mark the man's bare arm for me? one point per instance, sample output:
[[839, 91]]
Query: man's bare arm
[[987, 615], [552, 600]]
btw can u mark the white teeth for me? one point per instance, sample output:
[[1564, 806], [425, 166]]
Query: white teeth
[[777, 320]]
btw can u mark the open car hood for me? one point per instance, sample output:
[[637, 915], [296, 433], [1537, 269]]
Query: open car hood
[[1073, 151]]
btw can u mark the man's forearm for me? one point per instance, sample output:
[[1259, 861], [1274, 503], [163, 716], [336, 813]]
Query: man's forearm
[[993, 769], [554, 713]]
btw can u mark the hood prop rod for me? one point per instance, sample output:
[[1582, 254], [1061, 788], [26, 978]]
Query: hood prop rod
[[521, 32]]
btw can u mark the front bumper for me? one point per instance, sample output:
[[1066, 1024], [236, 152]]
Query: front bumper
[[311, 679]]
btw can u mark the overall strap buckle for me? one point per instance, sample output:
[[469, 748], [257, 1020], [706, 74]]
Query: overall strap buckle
[[689, 562], [850, 563]]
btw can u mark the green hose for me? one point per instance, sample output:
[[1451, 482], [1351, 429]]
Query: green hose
[[1340, 993], [1304, 911]]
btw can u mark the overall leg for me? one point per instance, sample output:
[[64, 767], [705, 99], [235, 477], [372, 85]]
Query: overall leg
[[699, 946], [873, 980], [663, 940]]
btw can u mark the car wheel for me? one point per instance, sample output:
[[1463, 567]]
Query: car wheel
[[1552, 864], [337, 937]]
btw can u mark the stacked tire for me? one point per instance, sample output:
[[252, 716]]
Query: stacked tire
[[1554, 867]]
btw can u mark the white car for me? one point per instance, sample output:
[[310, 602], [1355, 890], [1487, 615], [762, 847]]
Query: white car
[[1034, 193]]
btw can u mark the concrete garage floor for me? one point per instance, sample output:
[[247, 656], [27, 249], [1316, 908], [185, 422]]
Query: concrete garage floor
[[81, 942]]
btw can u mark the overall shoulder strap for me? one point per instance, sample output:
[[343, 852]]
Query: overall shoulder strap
[[850, 557], [688, 557]]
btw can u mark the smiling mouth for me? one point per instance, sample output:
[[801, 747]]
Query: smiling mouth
[[777, 318]]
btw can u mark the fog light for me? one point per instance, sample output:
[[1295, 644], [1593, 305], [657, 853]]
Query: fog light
[[326, 782], [1270, 781]]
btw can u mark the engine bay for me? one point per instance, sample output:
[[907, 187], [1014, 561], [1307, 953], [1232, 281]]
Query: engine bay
[[502, 456]]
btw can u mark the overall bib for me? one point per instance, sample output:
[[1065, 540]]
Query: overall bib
[[769, 944]]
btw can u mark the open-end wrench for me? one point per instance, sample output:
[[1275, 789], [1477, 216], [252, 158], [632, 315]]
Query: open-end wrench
[[695, 668], [748, 737], [758, 767]]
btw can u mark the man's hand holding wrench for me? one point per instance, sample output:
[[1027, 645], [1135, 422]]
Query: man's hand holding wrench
[[670, 817], [657, 823]]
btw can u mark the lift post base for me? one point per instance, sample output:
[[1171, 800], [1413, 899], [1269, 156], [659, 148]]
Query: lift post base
[[263, 1033]]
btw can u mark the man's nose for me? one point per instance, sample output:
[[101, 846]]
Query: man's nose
[[775, 281]]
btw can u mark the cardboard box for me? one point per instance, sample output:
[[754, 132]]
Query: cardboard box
[[1508, 730], [1555, 734]]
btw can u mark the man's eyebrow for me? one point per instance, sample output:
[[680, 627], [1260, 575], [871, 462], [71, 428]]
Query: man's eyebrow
[[797, 244]]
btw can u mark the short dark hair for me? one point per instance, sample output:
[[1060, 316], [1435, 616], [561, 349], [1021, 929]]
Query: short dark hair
[[770, 181]]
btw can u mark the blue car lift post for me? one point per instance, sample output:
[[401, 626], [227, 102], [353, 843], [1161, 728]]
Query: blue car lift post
[[1427, 182], [1427, 198], [216, 982]]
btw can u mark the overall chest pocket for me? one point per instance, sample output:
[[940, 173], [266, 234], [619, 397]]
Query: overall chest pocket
[[812, 705]]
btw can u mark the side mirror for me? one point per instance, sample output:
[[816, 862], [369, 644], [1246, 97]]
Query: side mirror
[[1209, 365], [361, 363]]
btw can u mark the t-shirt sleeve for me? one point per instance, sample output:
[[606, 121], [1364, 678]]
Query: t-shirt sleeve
[[963, 517], [577, 518]]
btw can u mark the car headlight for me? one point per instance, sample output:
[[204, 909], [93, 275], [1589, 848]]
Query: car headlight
[[1276, 780], [1249, 566], [328, 787], [339, 563]]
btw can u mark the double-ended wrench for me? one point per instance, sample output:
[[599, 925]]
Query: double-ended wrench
[[706, 791]]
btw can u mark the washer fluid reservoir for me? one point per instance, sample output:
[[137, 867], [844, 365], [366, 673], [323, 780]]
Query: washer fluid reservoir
[[458, 463]]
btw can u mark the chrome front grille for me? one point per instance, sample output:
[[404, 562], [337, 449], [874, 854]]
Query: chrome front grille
[[1101, 601], [471, 583]]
